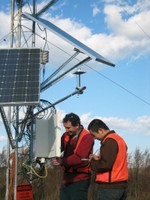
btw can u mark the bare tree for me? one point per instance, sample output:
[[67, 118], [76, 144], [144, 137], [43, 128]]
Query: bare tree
[[3, 160]]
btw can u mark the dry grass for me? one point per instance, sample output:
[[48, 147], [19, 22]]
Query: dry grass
[[48, 188]]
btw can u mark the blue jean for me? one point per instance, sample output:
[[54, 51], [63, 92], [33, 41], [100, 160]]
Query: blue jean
[[75, 191], [111, 194]]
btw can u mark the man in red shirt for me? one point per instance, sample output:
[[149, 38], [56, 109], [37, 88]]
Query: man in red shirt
[[76, 145]]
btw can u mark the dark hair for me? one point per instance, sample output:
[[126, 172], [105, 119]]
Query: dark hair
[[73, 118], [96, 124]]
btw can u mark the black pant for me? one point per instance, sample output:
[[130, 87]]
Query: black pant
[[111, 194], [75, 191]]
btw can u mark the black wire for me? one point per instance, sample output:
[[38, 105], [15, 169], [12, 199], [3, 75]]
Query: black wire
[[117, 84], [139, 26]]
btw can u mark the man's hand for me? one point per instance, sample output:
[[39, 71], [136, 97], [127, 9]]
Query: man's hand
[[94, 157], [56, 161]]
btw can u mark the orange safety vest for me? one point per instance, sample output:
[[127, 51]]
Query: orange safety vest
[[80, 169], [119, 171]]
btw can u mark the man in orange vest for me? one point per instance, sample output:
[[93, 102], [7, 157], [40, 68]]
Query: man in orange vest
[[110, 166], [76, 145]]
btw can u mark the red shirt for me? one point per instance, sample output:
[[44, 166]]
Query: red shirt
[[73, 160]]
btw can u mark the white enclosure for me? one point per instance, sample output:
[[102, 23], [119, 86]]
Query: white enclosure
[[47, 139]]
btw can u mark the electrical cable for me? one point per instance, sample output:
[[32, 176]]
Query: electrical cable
[[139, 26], [117, 84], [33, 170]]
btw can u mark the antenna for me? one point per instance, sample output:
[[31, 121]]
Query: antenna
[[79, 72]]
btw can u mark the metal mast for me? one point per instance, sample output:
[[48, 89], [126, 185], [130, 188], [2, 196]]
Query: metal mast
[[19, 6], [28, 121]]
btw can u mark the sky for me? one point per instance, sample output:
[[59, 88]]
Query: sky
[[118, 31]]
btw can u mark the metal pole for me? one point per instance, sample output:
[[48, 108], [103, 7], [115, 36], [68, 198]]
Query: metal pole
[[33, 24], [19, 4], [31, 110], [9, 109], [12, 22], [63, 74], [8, 156], [78, 91], [46, 7], [60, 68]]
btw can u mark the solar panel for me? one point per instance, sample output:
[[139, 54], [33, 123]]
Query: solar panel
[[76, 43], [19, 76]]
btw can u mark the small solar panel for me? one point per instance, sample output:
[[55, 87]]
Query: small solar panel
[[19, 76]]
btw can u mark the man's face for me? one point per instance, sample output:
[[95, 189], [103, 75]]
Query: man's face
[[97, 135], [72, 130]]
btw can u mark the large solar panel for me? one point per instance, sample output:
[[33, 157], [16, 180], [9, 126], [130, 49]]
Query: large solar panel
[[20, 76], [76, 43]]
